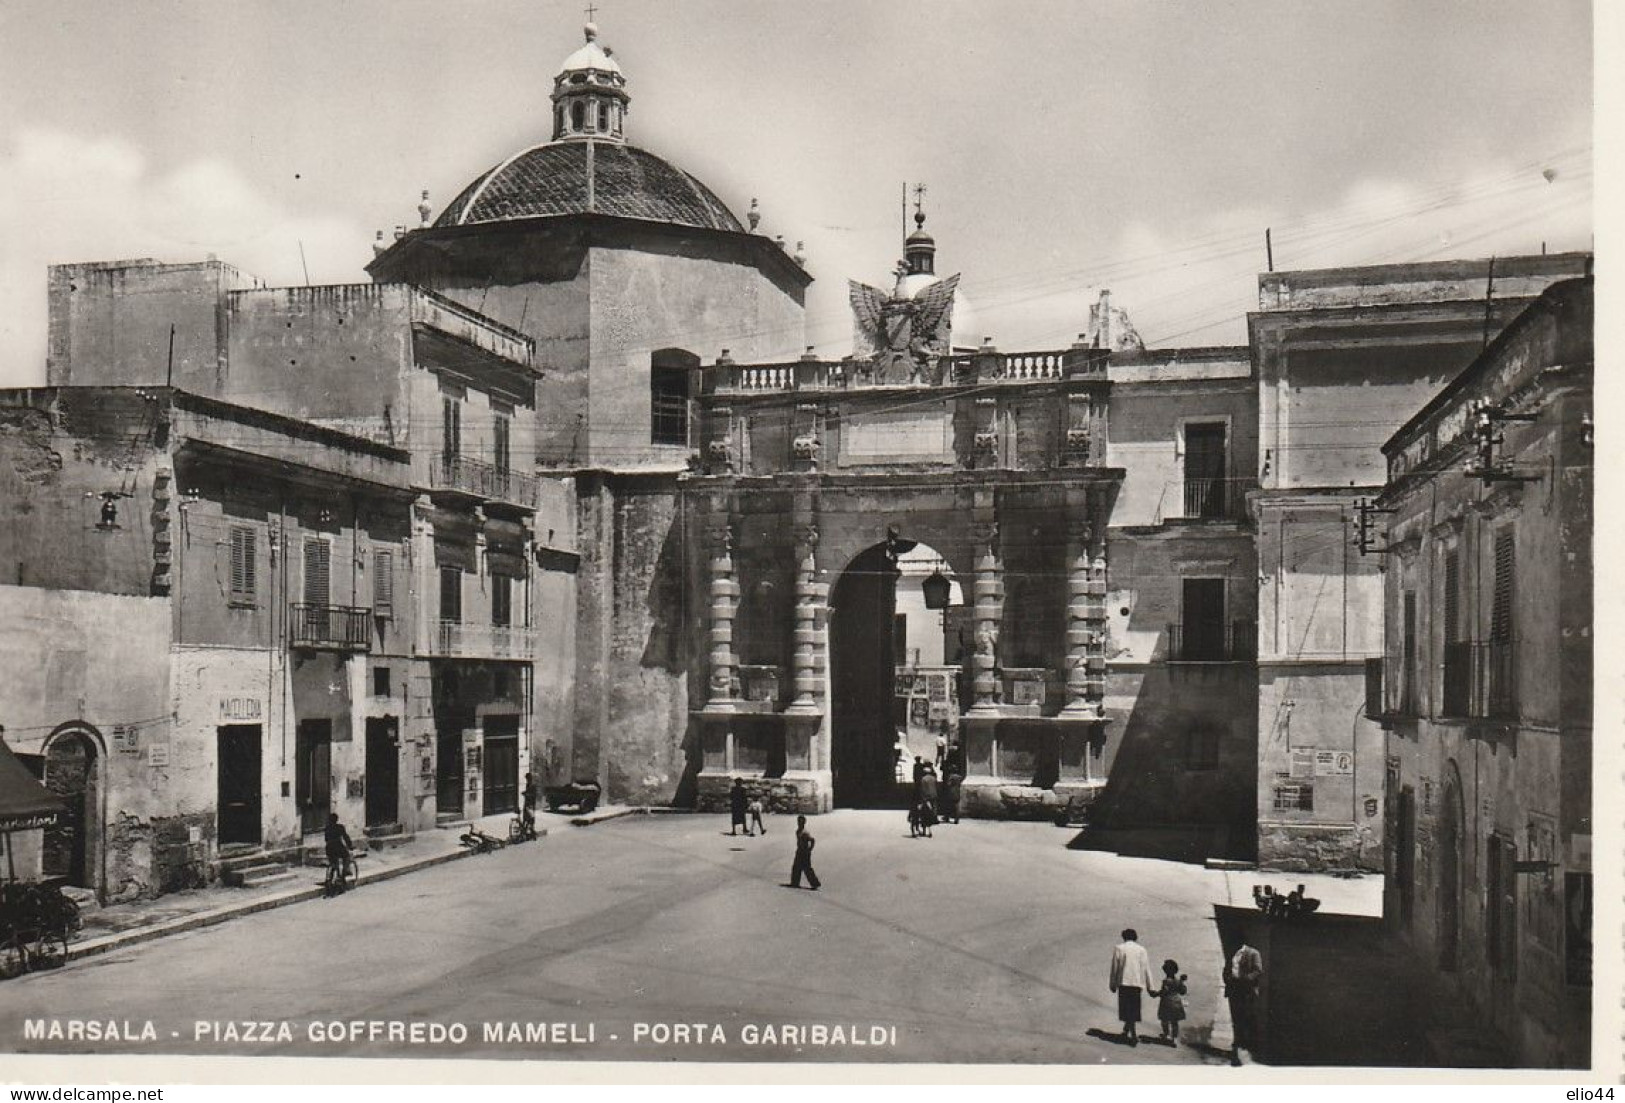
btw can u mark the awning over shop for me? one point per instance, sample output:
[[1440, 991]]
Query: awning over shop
[[24, 802]]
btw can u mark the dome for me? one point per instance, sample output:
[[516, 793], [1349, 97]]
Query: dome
[[590, 56], [589, 177]]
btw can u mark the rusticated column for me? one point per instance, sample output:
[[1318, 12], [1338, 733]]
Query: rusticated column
[[1080, 626], [724, 607], [808, 678], [1095, 622], [988, 611]]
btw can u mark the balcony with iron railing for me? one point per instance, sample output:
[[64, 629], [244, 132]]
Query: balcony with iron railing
[[1213, 643], [456, 640], [481, 480], [329, 627]]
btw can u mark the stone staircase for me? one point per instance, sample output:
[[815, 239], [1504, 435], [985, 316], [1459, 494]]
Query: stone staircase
[[249, 867], [385, 834]]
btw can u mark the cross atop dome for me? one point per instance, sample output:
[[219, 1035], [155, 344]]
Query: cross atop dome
[[589, 92]]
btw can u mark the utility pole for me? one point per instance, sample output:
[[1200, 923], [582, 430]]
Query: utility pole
[[1269, 250]]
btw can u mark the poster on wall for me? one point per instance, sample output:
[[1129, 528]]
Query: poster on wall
[[1334, 763]]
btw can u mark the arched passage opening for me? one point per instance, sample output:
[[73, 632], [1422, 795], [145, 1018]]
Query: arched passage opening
[[73, 771], [895, 664]]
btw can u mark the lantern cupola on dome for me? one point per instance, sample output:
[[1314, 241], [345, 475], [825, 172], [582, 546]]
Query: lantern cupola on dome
[[589, 94]]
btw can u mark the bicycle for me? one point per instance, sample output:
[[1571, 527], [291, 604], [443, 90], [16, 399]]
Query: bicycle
[[341, 874], [479, 842], [522, 828]]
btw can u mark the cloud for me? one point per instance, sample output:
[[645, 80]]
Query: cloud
[[67, 198]]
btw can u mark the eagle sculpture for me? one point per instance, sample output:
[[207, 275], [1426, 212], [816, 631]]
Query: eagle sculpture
[[902, 335]]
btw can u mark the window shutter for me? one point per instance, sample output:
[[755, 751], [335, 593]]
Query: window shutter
[[242, 562], [383, 583], [1452, 597], [1501, 603], [317, 554]]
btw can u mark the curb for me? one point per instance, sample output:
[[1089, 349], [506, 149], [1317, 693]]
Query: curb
[[118, 941]]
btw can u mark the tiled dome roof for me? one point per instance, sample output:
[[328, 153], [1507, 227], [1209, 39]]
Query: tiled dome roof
[[582, 177]]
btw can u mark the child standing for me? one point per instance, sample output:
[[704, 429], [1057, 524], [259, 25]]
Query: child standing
[[1170, 1000], [756, 808]]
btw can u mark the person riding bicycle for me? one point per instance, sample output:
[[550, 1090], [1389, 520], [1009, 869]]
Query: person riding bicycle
[[340, 851], [527, 815]]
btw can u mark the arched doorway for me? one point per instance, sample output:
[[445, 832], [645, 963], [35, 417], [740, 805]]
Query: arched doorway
[[73, 765], [880, 624], [1451, 829]]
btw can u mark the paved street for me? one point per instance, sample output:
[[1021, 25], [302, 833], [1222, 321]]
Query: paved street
[[989, 942]]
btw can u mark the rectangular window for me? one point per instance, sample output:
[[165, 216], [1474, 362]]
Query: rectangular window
[[380, 681], [383, 584], [1407, 669], [668, 392], [1501, 675], [243, 567], [1202, 748], [318, 559], [1452, 597], [501, 683], [1201, 636], [1205, 469], [501, 431], [451, 431], [1294, 797], [501, 600], [1501, 601], [451, 594]]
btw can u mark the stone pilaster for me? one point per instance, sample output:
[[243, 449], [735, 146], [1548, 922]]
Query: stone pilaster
[[988, 611], [724, 608]]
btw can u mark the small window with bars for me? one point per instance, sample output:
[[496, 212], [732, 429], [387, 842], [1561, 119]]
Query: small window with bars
[[244, 583], [383, 584]]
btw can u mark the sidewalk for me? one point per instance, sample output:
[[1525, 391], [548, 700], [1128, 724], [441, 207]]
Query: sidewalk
[[120, 925]]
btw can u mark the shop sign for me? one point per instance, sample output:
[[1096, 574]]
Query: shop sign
[[240, 708]]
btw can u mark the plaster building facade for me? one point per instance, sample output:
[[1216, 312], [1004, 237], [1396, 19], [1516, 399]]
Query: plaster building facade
[[1342, 356], [1487, 679], [185, 688]]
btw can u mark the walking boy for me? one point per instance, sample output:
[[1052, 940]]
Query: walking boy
[[803, 862]]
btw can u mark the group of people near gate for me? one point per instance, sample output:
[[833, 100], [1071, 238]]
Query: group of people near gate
[[934, 801], [1132, 981]]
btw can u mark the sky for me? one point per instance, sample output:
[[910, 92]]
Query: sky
[[1138, 145]]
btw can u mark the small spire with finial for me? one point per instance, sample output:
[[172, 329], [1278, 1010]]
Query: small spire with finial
[[779, 241], [400, 232], [424, 210], [801, 253], [379, 245], [754, 215]]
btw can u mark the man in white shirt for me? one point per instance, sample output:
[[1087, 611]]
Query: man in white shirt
[[1131, 976]]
